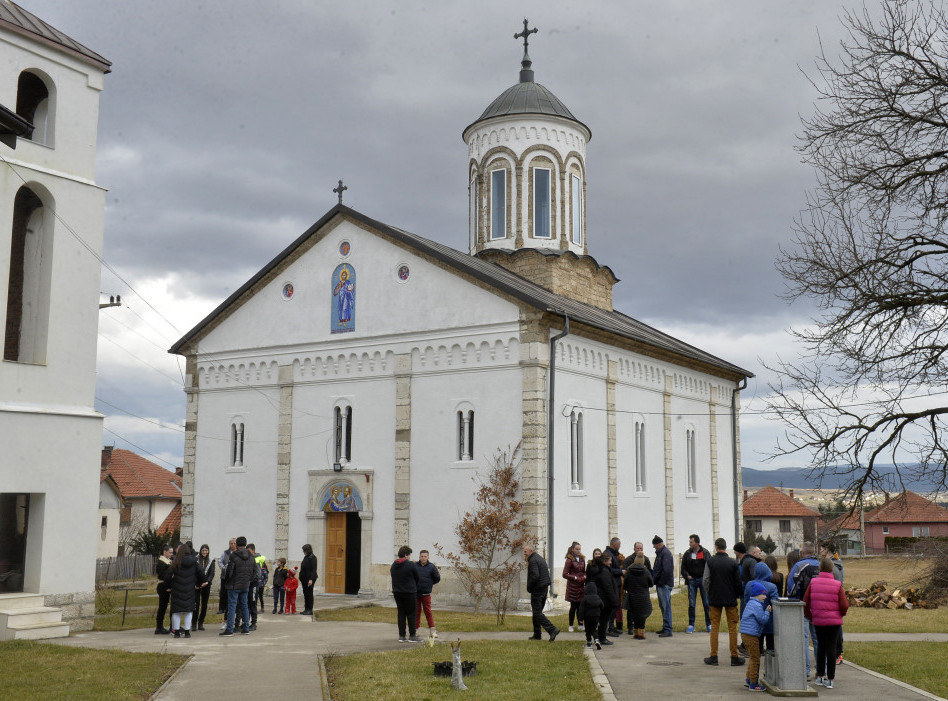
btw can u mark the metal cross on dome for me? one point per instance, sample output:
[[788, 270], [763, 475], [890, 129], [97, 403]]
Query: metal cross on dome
[[340, 189], [525, 34]]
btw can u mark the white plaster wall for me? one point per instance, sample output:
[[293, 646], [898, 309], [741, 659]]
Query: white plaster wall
[[432, 300], [692, 511], [108, 536], [442, 487], [234, 501]]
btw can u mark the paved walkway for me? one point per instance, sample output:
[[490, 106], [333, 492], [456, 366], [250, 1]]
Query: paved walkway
[[280, 658]]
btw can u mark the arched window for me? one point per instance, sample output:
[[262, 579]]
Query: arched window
[[498, 204], [29, 281], [576, 210], [237, 444], [576, 450], [342, 431], [541, 203], [466, 435], [473, 214], [641, 484], [690, 460], [34, 104]]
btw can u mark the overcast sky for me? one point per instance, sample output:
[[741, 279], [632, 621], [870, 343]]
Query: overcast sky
[[224, 127]]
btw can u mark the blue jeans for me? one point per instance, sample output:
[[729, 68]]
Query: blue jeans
[[664, 603], [235, 598], [694, 586], [809, 633]]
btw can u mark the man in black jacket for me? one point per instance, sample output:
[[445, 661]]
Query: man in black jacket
[[308, 577], [615, 624], [538, 580], [722, 579], [237, 578], [692, 569], [663, 573]]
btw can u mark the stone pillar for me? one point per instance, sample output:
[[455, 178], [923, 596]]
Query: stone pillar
[[566, 230], [191, 392], [669, 466], [612, 376], [534, 363], [738, 487], [402, 448], [281, 544], [715, 484]]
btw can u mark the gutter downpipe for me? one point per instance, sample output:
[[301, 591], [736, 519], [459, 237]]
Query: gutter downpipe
[[549, 441], [737, 469]]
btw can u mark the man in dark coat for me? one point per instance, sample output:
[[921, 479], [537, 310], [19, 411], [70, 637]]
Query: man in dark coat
[[538, 581], [722, 579], [308, 579], [692, 569], [237, 578], [663, 573], [615, 625]]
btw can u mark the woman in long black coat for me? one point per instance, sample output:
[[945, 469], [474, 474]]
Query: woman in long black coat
[[638, 580], [182, 580], [598, 571]]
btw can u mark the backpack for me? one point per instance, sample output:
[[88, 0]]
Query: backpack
[[801, 580]]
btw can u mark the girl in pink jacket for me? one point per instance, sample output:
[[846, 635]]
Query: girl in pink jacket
[[825, 604]]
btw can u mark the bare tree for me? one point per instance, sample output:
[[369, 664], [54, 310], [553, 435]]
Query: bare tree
[[871, 251]]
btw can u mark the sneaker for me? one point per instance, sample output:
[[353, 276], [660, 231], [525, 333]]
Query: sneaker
[[245, 632], [818, 681], [713, 660], [227, 633], [589, 644], [747, 682], [839, 660], [403, 640], [665, 634], [253, 626], [755, 687], [606, 642], [200, 626], [187, 634], [709, 628], [556, 631], [690, 629], [535, 637], [176, 633], [741, 650], [581, 628], [737, 661], [613, 633], [570, 629], [828, 684], [597, 644], [414, 639]]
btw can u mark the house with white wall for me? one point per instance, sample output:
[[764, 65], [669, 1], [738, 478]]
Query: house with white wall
[[49, 295]]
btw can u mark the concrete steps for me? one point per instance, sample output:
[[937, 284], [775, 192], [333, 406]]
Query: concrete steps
[[24, 617]]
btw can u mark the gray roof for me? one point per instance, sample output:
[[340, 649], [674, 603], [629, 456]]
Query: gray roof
[[14, 17], [499, 278], [527, 98]]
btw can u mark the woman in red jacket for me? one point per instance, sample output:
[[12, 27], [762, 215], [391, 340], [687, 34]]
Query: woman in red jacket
[[825, 604], [574, 572]]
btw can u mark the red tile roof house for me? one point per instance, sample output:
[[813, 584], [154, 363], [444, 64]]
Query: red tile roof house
[[908, 514], [149, 492], [771, 512]]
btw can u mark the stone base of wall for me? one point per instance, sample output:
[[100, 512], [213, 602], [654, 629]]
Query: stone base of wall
[[78, 608]]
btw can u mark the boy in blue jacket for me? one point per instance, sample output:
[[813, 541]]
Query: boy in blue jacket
[[753, 621]]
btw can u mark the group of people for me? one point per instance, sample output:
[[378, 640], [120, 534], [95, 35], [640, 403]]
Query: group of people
[[185, 581], [412, 584]]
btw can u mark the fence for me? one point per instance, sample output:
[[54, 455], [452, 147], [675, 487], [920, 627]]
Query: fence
[[125, 567]]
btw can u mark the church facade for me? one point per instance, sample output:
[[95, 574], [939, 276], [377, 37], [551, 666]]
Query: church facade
[[349, 393]]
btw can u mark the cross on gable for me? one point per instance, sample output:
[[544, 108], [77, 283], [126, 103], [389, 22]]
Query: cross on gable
[[340, 189]]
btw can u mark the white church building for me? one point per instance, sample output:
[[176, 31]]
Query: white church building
[[346, 395]]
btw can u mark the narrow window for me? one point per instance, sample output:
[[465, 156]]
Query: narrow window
[[639, 432], [885, 530], [576, 450], [541, 203], [233, 444], [690, 457], [784, 525], [237, 444], [29, 282], [916, 531], [498, 204], [926, 531], [342, 431], [465, 435], [472, 225], [577, 210]]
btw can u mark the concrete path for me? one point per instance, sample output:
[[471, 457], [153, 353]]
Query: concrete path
[[280, 658]]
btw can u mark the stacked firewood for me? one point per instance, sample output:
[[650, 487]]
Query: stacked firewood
[[879, 596]]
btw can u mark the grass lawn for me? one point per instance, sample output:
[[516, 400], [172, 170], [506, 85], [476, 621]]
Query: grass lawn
[[533, 670], [45, 671], [919, 664], [897, 571], [141, 609]]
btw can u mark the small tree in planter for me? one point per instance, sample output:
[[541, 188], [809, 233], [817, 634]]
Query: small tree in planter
[[491, 537]]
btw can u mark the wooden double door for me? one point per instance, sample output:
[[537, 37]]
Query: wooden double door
[[343, 552]]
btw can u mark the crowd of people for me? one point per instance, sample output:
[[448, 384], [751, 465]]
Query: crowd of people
[[185, 580]]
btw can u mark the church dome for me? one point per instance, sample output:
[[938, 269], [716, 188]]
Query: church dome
[[527, 97]]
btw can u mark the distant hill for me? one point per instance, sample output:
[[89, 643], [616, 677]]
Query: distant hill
[[800, 478]]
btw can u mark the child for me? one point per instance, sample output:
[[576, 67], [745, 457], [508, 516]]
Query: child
[[590, 609], [753, 620], [290, 586], [279, 577]]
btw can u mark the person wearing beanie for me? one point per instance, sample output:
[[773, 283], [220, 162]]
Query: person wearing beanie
[[722, 579], [663, 574], [290, 585], [755, 618]]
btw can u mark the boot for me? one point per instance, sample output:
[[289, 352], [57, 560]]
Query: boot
[[641, 633]]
